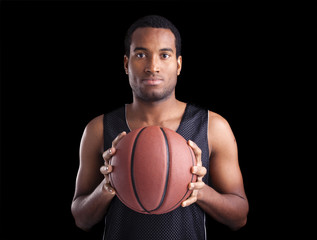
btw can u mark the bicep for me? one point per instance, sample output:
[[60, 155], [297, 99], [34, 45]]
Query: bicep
[[225, 172], [89, 176]]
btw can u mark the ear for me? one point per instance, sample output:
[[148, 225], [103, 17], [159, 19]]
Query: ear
[[179, 65], [126, 63]]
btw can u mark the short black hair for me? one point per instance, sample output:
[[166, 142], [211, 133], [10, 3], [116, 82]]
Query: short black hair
[[153, 21]]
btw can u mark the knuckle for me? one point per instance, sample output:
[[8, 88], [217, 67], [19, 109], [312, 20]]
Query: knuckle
[[192, 199], [102, 169], [198, 151], [108, 187], [115, 141], [106, 155], [118, 138], [105, 169]]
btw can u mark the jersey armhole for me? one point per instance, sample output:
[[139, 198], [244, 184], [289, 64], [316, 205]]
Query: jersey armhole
[[104, 131], [209, 147]]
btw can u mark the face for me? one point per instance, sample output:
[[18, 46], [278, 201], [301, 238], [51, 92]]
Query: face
[[152, 66]]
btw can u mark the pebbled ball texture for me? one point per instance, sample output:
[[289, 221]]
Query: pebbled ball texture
[[152, 170]]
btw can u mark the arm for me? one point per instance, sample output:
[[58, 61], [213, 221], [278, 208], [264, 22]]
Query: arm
[[92, 194], [225, 201]]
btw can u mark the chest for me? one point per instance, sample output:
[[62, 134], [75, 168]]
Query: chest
[[172, 124]]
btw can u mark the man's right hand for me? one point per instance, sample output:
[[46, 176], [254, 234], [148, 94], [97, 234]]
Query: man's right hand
[[106, 168]]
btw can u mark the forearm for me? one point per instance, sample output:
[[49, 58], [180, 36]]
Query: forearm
[[90, 209], [229, 209]]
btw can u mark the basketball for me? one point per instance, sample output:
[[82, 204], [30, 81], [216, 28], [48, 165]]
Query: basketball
[[151, 170]]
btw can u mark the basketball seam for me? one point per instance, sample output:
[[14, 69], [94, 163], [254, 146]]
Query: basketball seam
[[132, 170], [167, 171], [192, 178]]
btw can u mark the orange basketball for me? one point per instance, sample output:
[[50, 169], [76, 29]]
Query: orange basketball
[[152, 170]]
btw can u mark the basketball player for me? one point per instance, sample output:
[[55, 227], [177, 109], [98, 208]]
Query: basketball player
[[152, 62]]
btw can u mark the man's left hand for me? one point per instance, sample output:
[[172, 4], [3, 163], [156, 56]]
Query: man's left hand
[[198, 170]]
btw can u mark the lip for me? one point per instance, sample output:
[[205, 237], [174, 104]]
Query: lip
[[152, 81]]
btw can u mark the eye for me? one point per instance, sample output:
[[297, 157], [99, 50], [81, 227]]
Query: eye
[[165, 55], [140, 55]]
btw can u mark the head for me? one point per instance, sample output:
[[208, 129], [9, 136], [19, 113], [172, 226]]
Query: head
[[152, 58], [152, 21]]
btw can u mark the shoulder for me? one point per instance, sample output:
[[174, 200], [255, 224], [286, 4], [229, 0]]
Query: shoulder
[[216, 122], [219, 131], [93, 134], [96, 124]]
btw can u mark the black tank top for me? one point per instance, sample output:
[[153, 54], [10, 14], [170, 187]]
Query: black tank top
[[183, 223]]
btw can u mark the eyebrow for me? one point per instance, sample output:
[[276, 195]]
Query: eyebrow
[[139, 48], [145, 49]]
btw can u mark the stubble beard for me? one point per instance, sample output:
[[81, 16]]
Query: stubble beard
[[153, 95]]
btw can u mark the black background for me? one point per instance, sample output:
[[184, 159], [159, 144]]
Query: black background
[[62, 65]]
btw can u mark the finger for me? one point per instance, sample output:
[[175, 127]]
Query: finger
[[117, 139], [192, 199], [197, 152], [108, 154], [111, 151], [106, 169], [196, 185], [199, 171], [108, 188]]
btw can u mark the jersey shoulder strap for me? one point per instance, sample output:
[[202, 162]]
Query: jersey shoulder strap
[[113, 124]]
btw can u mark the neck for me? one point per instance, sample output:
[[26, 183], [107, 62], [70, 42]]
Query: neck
[[165, 113]]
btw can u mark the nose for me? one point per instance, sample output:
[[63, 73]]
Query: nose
[[152, 65]]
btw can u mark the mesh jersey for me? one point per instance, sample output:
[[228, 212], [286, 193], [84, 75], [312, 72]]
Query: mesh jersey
[[182, 223]]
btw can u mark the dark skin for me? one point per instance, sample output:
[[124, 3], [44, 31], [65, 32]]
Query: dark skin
[[153, 68]]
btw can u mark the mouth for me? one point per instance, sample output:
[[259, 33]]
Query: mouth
[[152, 81]]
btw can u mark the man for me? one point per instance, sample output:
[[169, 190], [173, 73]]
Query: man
[[152, 63]]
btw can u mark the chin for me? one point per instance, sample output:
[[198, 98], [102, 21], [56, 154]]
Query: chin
[[154, 96]]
